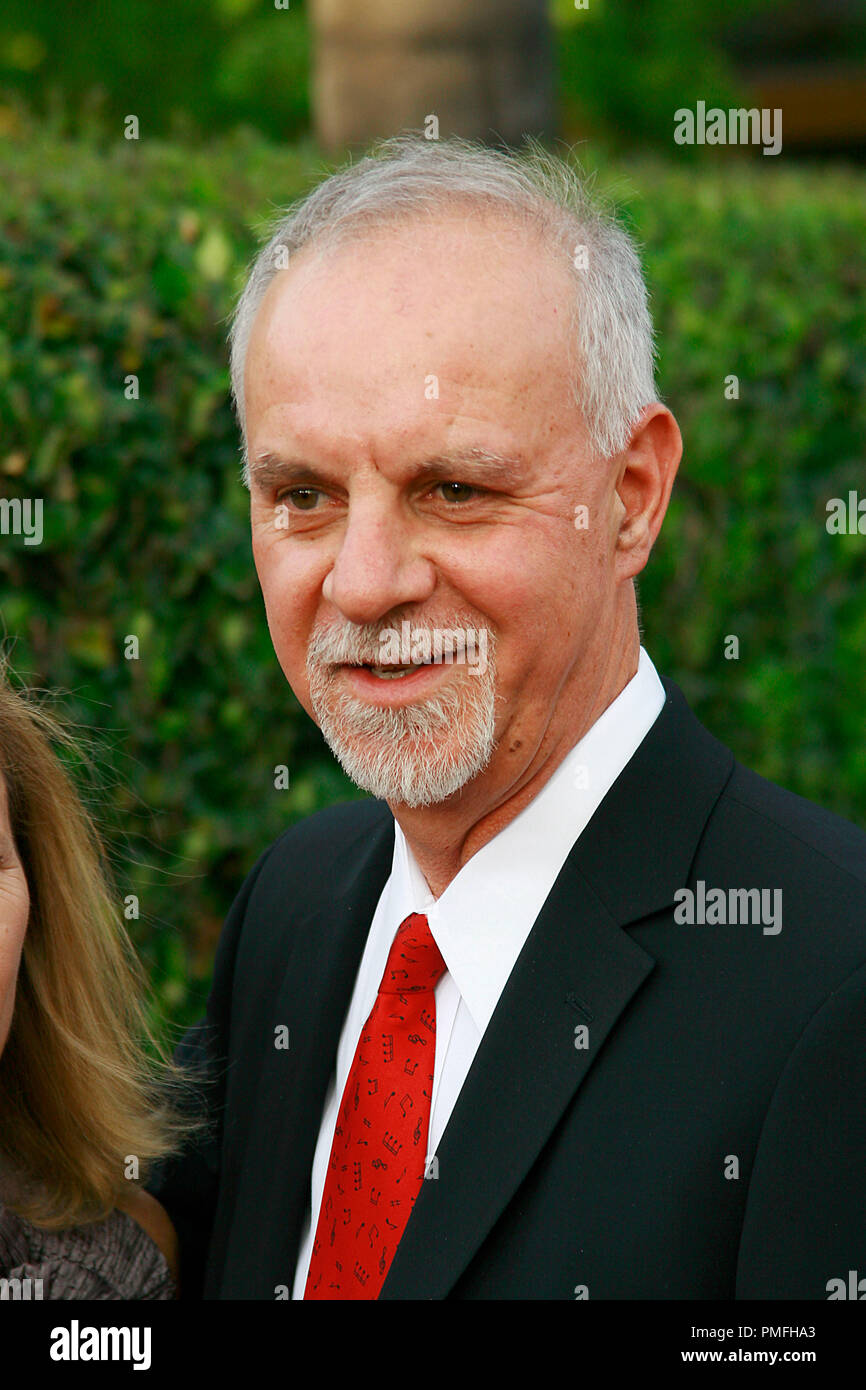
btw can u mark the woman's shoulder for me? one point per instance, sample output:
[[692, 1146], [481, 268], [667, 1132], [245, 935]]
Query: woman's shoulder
[[111, 1259]]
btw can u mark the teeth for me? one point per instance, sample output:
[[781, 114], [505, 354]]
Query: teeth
[[392, 673]]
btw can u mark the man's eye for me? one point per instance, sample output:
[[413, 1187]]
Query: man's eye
[[302, 499], [457, 492]]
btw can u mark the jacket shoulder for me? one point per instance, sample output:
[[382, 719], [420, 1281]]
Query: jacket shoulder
[[334, 831], [808, 832], [314, 860], [319, 859]]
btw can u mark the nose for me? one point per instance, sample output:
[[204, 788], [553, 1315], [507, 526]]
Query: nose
[[378, 566]]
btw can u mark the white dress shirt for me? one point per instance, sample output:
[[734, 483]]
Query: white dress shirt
[[482, 919]]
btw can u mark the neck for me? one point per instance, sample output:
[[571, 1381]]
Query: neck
[[444, 837]]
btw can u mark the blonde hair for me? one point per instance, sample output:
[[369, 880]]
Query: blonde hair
[[84, 1082]]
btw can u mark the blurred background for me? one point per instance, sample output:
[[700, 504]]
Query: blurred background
[[143, 150]]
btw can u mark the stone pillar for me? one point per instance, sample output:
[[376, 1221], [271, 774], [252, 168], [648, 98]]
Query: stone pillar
[[484, 68]]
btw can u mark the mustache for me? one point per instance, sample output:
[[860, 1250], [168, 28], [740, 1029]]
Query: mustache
[[358, 644]]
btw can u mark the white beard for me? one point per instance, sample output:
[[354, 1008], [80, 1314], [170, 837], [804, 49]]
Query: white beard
[[417, 755]]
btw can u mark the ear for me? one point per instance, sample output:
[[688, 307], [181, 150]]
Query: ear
[[644, 477]]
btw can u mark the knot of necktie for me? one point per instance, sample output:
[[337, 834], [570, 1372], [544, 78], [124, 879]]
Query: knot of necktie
[[414, 962]]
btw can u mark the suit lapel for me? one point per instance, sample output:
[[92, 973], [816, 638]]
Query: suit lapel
[[577, 970], [579, 967], [328, 938]]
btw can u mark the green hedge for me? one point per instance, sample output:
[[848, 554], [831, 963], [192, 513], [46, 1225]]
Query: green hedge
[[124, 259], [186, 70]]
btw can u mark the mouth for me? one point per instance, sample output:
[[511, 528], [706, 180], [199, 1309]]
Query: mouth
[[392, 673], [391, 682]]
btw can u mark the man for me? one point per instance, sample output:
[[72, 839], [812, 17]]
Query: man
[[611, 985]]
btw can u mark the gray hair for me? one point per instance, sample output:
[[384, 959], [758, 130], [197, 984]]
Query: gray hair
[[407, 175]]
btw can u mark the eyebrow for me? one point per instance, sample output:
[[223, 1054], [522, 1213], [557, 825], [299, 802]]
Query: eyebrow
[[269, 470]]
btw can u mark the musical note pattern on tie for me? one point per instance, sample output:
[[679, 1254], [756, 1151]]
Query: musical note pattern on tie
[[380, 1141]]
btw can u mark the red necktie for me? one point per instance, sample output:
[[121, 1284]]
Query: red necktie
[[380, 1141]]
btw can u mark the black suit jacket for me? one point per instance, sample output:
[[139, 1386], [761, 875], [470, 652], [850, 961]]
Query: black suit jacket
[[708, 1142]]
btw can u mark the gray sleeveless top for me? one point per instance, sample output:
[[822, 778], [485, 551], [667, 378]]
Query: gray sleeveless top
[[110, 1259]]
